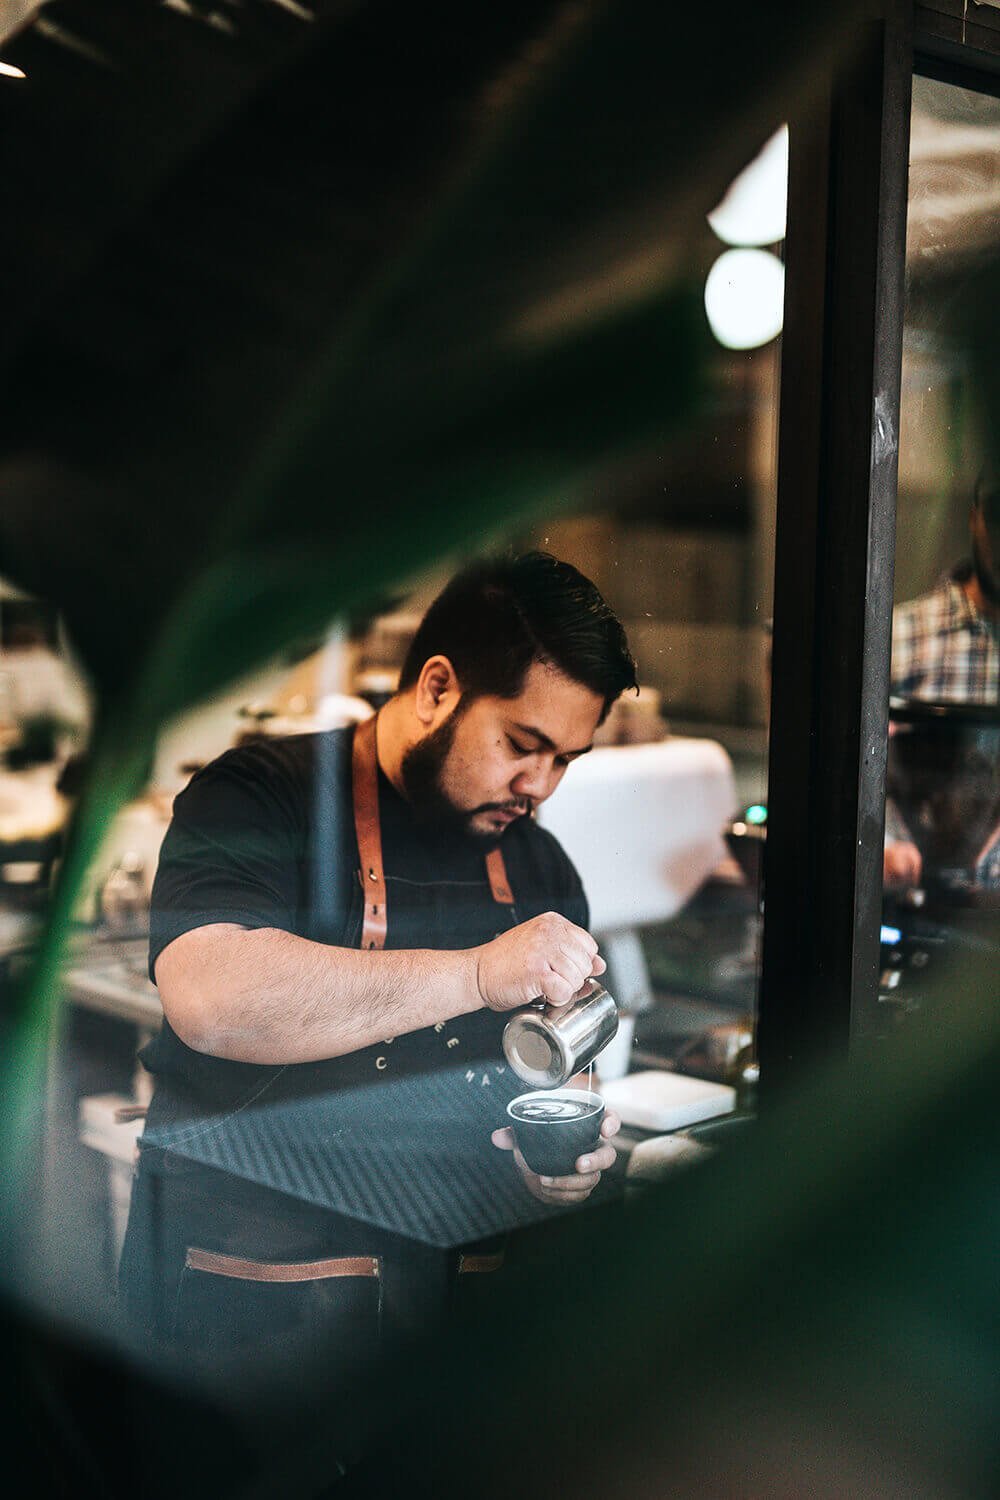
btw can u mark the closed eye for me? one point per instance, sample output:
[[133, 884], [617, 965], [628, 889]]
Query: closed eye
[[561, 761]]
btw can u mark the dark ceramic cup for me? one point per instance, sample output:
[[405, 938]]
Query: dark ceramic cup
[[552, 1127]]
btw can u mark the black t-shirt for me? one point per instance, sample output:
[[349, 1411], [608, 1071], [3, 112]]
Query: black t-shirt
[[264, 837]]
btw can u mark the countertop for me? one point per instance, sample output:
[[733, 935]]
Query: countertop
[[108, 974]]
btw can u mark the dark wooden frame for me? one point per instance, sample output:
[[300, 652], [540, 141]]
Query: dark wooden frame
[[837, 460]]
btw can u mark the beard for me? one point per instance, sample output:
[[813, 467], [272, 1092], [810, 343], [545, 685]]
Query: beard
[[986, 576], [422, 773]]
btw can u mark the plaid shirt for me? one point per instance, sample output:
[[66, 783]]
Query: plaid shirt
[[943, 649]]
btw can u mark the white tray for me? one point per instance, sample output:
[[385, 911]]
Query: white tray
[[667, 1101]]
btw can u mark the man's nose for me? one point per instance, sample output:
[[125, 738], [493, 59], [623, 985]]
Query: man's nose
[[534, 784]]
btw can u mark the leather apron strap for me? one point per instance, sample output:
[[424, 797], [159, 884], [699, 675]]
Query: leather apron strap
[[364, 780], [496, 870], [238, 1268]]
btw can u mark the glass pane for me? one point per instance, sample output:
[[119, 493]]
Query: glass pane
[[942, 859]]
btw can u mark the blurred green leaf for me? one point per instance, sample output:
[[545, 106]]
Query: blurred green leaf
[[426, 264], [425, 278], [813, 1312]]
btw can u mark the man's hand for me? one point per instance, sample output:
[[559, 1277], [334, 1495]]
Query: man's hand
[[547, 957], [901, 864], [566, 1190]]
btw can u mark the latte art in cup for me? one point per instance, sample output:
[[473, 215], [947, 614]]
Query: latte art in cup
[[552, 1109]]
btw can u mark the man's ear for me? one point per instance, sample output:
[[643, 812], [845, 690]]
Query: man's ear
[[437, 689]]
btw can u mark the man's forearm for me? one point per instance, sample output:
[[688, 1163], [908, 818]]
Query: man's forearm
[[267, 996]]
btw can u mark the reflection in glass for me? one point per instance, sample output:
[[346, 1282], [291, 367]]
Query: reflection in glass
[[942, 852]]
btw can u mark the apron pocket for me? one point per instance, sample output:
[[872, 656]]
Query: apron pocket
[[231, 1310]]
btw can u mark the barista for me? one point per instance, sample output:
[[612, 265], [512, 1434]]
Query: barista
[[280, 970]]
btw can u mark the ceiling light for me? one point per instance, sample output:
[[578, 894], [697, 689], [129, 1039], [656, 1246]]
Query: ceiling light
[[745, 298], [753, 210]]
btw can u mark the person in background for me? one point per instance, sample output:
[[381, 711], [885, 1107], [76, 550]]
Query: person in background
[[946, 649], [42, 699]]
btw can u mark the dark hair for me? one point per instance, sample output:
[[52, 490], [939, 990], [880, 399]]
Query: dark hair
[[499, 615]]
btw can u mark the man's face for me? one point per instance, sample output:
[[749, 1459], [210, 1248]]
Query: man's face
[[493, 760]]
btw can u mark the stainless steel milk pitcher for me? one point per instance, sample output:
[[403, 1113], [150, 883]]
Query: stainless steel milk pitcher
[[547, 1044]]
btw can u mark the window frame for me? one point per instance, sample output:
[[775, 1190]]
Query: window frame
[[838, 437]]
